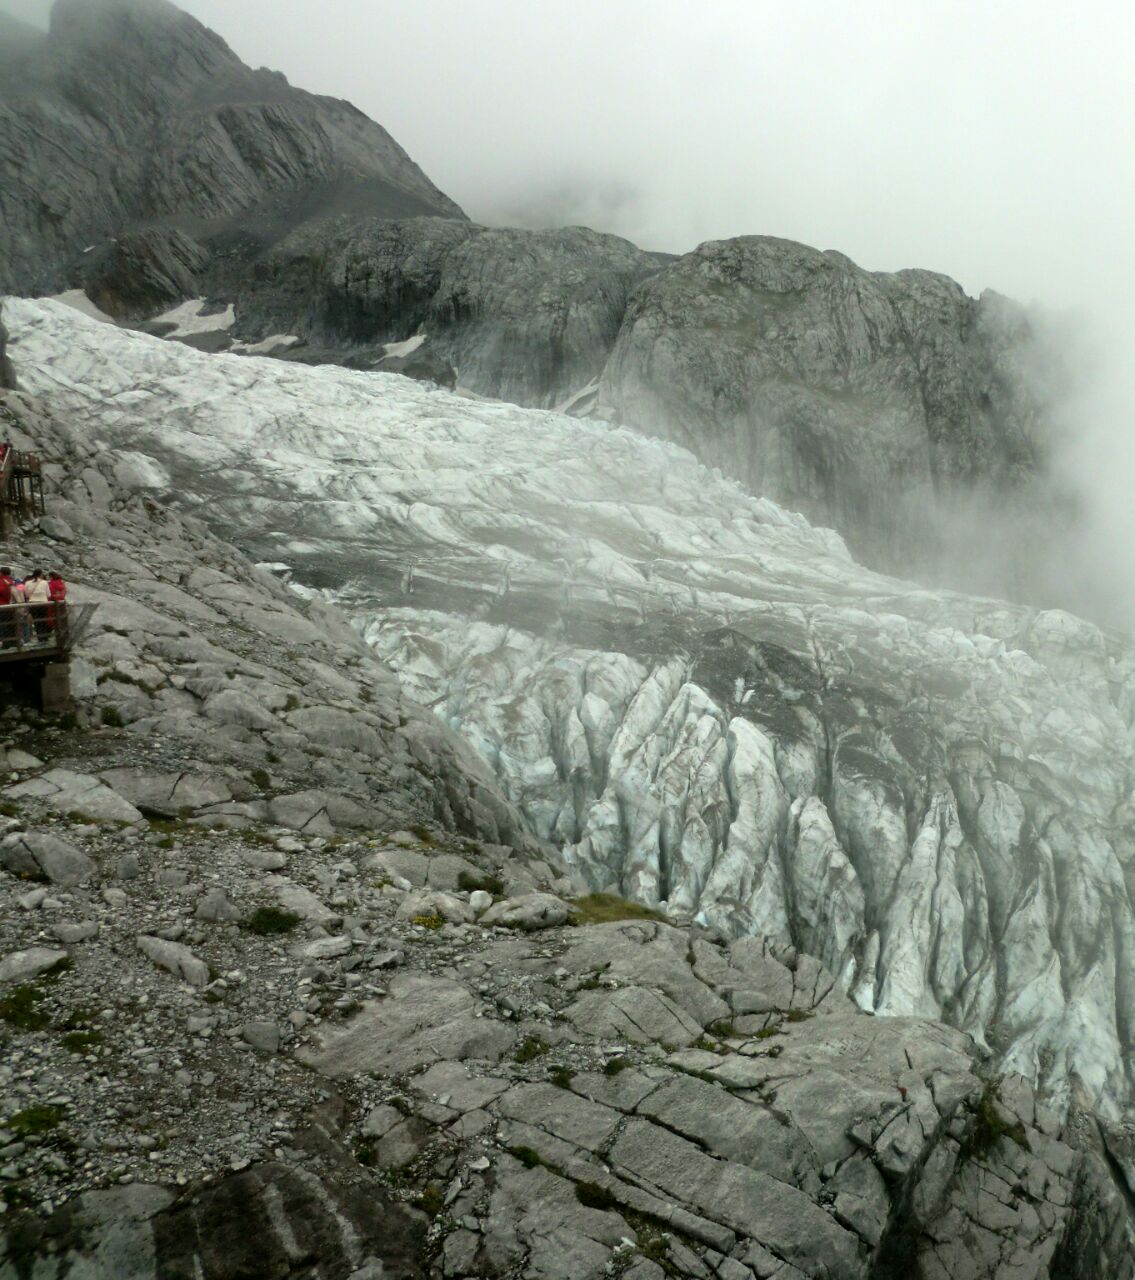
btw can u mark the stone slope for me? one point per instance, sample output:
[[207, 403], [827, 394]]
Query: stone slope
[[703, 701], [131, 117]]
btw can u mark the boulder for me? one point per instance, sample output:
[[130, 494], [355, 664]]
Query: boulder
[[77, 793], [178, 959], [39, 854], [20, 966], [531, 912]]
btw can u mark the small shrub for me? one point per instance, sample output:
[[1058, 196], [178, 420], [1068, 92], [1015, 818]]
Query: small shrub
[[251, 836], [722, 1028], [35, 1120], [261, 778], [266, 922], [990, 1126], [529, 1158], [593, 1196], [80, 1041], [428, 922], [470, 883], [561, 1077], [613, 1066], [432, 1199], [798, 1015], [8, 809], [766, 1033], [603, 908], [18, 1009], [112, 718], [532, 1048], [366, 1154], [17, 1197]]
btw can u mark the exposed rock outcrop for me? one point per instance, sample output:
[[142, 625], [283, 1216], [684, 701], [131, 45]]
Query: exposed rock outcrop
[[131, 113], [527, 316], [879, 404], [7, 373]]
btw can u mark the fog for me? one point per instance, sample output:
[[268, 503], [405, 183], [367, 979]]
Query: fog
[[986, 142]]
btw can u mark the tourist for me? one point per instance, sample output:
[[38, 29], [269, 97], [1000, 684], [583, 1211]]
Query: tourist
[[38, 597], [7, 613], [22, 622], [57, 593]]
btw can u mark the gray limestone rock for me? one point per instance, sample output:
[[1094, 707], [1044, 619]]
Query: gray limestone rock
[[70, 792], [394, 1036], [37, 853], [432, 903], [870, 402], [531, 912], [528, 316], [178, 959], [19, 966]]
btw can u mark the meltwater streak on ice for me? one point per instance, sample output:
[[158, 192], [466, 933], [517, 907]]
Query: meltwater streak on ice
[[699, 695]]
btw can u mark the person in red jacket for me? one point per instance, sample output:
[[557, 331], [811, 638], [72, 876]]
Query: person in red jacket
[[8, 616], [56, 593]]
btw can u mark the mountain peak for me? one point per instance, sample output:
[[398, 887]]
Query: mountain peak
[[126, 26]]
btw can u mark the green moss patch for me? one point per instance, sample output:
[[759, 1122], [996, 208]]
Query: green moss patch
[[267, 922], [604, 908]]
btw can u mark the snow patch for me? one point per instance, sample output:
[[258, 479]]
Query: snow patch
[[393, 350], [188, 319], [78, 301]]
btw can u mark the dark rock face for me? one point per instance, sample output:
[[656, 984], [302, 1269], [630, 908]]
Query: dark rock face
[[527, 316], [858, 398], [7, 373], [131, 113], [272, 1221], [145, 272]]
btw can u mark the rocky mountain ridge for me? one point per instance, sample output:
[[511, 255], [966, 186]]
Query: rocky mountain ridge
[[133, 138]]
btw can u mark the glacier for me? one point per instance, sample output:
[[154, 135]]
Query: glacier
[[698, 696]]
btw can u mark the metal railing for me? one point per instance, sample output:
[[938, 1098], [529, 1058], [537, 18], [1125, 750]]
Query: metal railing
[[32, 630]]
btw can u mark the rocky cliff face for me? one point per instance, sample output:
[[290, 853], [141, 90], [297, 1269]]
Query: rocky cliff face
[[527, 316], [130, 116], [868, 401]]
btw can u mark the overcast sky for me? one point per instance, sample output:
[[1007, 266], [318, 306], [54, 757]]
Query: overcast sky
[[987, 140]]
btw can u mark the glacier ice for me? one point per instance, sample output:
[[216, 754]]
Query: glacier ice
[[701, 698]]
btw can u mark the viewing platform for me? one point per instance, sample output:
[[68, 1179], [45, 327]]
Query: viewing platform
[[35, 646]]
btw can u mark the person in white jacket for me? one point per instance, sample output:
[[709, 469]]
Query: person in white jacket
[[38, 598]]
